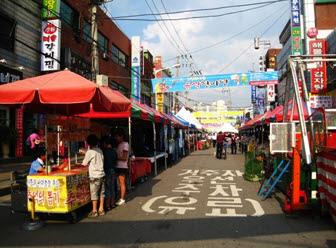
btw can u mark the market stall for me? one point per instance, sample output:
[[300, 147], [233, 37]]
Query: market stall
[[64, 93]]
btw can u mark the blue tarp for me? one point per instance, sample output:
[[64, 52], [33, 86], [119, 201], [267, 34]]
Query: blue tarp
[[186, 123]]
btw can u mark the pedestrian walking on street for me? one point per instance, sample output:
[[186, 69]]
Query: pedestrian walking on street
[[122, 163], [110, 162], [94, 158], [219, 145], [233, 144]]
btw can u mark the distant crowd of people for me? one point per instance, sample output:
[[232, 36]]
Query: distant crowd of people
[[223, 141]]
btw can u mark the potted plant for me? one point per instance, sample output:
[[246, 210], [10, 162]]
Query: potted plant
[[7, 136]]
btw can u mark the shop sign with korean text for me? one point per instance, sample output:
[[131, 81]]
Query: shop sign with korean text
[[270, 93], [318, 101], [296, 27], [253, 93], [214, 81], [50, 9], [319, 72], [51, 45], [135, 75], [160, 102]]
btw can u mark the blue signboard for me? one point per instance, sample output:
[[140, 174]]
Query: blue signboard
[[162, 85], [296, 12], [253, 94]]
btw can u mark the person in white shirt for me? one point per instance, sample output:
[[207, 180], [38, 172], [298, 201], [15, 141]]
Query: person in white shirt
[[94, 158], [122, 163]]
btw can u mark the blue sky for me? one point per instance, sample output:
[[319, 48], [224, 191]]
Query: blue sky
[[233, 55]]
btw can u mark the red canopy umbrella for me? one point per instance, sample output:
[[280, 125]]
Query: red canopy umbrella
[[279, 115], [58, 92]]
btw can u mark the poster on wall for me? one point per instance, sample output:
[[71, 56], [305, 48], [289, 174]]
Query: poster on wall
[[51, 45], [260, 101]]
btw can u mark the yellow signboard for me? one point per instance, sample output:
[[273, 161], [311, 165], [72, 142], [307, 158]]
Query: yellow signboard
[[160, 102], [208, 114], [59, 192]]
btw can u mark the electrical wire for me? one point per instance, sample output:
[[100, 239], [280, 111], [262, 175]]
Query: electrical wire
[[231, 37], [246, 49], [179, 37], [196, 17], [203, 9]]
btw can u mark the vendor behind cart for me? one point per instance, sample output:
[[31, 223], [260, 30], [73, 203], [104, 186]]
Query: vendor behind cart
[[38, 164]]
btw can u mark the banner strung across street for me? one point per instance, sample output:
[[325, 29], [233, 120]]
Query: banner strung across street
[[162, 85]]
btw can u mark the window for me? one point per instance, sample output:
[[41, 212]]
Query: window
[[122, 59], [7, 32], [4, 116], [115, 54], [102, 43], [69, 16], [87, 31], [118, 56]]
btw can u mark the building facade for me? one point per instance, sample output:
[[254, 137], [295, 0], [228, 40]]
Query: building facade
[[20, 36], [114, 47]]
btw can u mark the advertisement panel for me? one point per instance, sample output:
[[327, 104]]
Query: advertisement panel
[[59, 193], [135, 66], [162, 85], [51, 9], [319, 73], [51, 45], [318, 101], [296, 27]]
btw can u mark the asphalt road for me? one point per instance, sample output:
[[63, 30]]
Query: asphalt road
[[200, 202]]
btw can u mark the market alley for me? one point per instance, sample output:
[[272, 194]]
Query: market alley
[[199, 202]]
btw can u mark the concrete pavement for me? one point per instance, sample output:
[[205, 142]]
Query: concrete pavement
[[200, 202]]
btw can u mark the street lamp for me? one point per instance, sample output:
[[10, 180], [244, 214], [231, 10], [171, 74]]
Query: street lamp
[[258, 42], [166, 68]]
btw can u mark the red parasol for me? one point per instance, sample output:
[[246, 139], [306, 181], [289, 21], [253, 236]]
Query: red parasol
[[59, 92]]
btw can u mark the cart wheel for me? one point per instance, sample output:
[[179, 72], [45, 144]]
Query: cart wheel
[[72, 217]]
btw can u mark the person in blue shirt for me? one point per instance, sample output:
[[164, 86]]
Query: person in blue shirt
[[38, 164]]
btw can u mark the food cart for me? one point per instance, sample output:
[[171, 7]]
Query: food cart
[[65, 190]]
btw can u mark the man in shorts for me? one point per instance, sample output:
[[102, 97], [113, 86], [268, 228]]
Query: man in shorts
[[95, 160]]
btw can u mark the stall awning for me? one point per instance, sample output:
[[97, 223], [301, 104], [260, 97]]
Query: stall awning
[[60, 92], [140, 112]]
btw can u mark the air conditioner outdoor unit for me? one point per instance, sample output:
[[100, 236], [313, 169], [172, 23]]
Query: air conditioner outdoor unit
[[282, 137], [102, 80]]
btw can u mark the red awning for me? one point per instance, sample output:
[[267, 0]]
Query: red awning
[[62, 92], [63, 87]]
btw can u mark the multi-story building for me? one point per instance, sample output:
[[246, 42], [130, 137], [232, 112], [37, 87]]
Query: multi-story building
[[317, 14], [20, 36], [147, 69], [113, 45]]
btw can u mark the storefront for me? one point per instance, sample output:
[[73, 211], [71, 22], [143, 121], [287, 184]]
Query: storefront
[[10, 120]]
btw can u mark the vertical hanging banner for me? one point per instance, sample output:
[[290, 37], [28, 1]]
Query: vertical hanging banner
[[270, 93], [135, 75], [296, 27], [50, 9], [319, 73], [253, 93], [51, 45]]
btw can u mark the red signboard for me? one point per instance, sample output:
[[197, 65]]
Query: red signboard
[[318, 74]]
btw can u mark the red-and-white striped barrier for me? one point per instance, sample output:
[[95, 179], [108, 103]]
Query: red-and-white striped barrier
[[326, 176]]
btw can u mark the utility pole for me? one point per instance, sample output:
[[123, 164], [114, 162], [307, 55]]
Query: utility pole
[[94, 35], [177, 74]]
